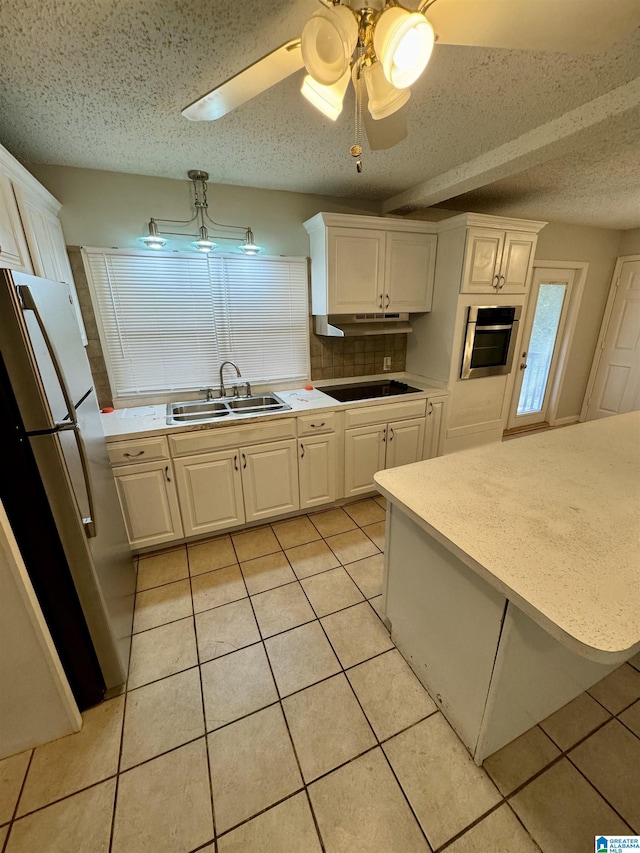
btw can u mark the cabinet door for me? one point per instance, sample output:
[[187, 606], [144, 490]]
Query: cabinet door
[[517, 259], [433, 427], [210, 491], [270, 479], [405, 441], [364, 452], [356, 270], [13, 247], [409, 270], [149, 503], [482, 260], [47, 247], [317, 470]]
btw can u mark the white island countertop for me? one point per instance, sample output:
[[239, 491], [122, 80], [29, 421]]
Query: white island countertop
[[551, 520]]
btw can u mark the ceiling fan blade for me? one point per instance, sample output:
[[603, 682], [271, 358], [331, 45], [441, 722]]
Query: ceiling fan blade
[[566, 26], [385, 132], [254, 80]]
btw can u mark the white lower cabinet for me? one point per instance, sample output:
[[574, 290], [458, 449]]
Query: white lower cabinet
[[210, 491], [149, 503], [270, 479], [434, 425], [231, 487], [317, 470], [369, 449]]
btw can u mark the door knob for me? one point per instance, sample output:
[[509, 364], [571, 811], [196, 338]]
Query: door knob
[[523, 366]]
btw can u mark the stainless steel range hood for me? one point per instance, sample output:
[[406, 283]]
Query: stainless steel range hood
[[349, 325]]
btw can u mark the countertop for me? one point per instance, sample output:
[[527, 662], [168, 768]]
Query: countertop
[[550, 520], [146, 421]]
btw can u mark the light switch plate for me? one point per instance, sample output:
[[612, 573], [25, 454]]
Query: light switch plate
[[386, 364]]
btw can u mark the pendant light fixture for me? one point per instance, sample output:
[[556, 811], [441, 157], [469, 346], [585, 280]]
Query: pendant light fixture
[[155, 239]]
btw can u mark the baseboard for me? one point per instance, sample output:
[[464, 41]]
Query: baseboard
[[571, 419]]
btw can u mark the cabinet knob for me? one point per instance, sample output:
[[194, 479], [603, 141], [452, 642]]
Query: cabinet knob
[[496, 280], [503, 280]]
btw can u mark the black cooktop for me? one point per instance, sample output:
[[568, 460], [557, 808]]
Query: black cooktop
[[367, 390]]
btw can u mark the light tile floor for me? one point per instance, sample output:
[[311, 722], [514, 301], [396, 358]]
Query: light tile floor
[[267, 710]]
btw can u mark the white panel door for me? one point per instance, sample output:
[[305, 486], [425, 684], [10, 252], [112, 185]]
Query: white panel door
[[13, 247], [317, 470], [149, 503], [405, 440], [364, 454], [482, 260], [433, 427], [616, 388], [270, 479], [210, 491], [356, 270], [410, 267], [517, 258]]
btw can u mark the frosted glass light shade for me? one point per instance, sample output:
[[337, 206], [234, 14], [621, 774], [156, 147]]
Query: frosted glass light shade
[[403, 42], [328, 39], [384, 99], [249, 246], [327, 99]]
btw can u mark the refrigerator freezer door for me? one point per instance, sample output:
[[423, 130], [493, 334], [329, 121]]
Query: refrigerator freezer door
[[102, 566], [53, 302]]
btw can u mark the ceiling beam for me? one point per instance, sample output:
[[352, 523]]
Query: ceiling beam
[[545, 142]]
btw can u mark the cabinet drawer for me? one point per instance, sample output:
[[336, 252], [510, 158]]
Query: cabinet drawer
[[143, 450], [223, 437], [313, 424], [384, 413]]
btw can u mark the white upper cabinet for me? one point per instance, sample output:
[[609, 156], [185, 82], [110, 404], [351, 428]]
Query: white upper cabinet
[[369, 264], [31, 238], [13, 246], [498, 260]]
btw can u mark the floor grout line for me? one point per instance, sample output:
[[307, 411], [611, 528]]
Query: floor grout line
[[344, 671]]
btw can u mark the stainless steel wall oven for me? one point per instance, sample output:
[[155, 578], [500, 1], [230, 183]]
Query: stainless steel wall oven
[[490, 340]]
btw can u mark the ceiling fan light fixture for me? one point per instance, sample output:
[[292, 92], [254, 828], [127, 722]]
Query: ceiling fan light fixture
[[249, 246], [328, 39], [383, 98], [403, 42], [327, 99]]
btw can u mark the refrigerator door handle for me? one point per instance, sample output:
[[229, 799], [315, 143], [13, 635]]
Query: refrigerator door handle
[[29, 304]]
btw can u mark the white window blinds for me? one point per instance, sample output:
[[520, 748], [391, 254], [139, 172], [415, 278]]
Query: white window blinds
[[169, 321]]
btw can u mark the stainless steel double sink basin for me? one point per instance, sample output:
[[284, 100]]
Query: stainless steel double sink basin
[[202, 411]]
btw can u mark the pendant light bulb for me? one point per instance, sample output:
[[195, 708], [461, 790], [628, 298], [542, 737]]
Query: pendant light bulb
[[327, 99], [249, 246], [153, 240], [203, 243]]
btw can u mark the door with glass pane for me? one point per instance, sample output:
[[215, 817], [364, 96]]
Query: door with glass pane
[[541, 341]]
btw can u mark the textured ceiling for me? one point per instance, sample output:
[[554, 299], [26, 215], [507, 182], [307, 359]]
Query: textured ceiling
[[101, 85]]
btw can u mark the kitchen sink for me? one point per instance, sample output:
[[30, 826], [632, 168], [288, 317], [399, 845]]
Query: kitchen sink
[[202, 411], [251, 404]]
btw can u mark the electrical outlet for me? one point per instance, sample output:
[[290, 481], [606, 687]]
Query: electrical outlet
[[386, 364]]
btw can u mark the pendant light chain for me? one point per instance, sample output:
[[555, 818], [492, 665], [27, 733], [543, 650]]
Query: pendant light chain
[[356, 148]]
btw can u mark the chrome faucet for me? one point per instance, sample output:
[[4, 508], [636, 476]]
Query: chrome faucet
[[223, 391]]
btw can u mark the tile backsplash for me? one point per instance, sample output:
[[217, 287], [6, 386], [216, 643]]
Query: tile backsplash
[[338, 358]]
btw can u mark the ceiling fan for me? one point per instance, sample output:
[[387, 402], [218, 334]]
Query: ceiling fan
[[383, 48]]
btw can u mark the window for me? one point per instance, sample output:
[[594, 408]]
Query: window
[[169, 320]]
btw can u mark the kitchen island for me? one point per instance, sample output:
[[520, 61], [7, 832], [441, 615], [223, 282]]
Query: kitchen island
[[512, 573]]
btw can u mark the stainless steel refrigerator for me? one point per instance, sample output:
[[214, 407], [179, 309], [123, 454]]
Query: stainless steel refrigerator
[[57, 487]]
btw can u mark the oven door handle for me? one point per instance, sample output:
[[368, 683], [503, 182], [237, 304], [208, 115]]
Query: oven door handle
[[496, 328]]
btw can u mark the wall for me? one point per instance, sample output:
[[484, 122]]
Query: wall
[[113, 209], [36, 704], [600, 247], [630, 242]]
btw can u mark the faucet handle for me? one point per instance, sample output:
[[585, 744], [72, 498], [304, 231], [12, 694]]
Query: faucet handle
[[248, 389]]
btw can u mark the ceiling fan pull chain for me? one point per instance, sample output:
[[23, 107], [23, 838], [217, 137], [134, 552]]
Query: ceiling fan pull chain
[[356, 148]]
